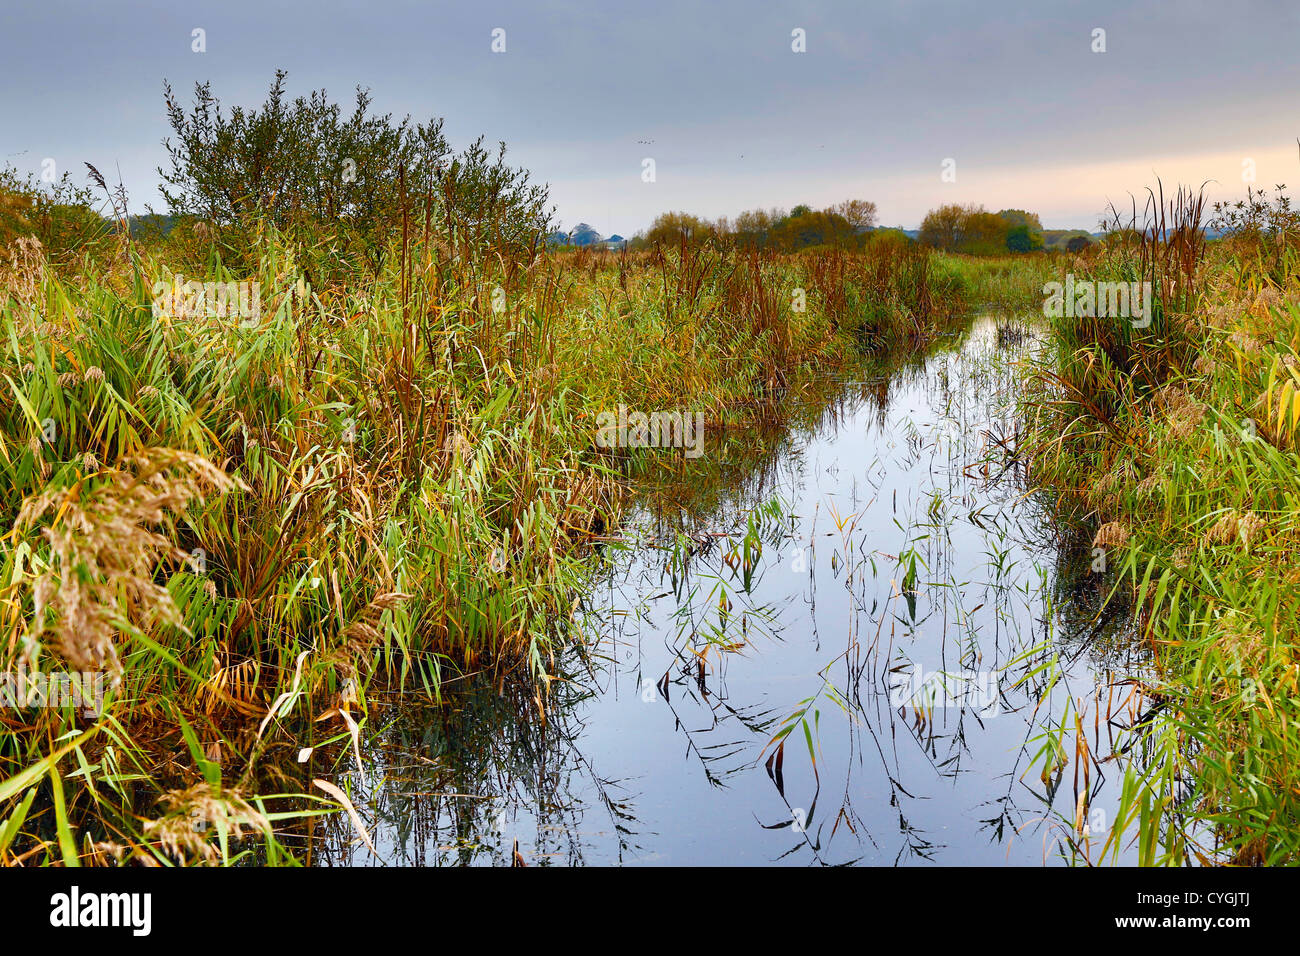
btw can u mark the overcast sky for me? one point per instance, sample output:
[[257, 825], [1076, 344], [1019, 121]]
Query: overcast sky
[[732, 116]]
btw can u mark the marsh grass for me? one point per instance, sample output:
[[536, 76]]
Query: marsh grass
[[382, 484], [1174, 447]]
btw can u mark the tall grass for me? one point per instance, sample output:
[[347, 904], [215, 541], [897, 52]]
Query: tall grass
[[1174, 446], [383, 482]]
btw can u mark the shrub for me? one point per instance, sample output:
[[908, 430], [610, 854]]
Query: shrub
[[302, 166]]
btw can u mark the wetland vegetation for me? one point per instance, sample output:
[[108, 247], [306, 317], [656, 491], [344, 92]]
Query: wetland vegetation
[[357, 578]]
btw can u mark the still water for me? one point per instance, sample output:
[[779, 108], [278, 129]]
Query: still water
[[861, 643]]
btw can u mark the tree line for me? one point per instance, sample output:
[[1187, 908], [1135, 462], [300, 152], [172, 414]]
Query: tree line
[[845, 224], [969, 229]]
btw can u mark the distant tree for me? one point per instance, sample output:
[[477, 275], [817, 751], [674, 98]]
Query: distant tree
[[810, 229], [943, 228], [970, 229], [1078, 244], [1019, 239], [1024, 230], [889, 236], [1023, 239], [753, 221], [751, 228], [985, 233], [1019, 217], [858, 213], [670, 228]]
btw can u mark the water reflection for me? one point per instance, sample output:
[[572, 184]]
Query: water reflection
[[854, 640]]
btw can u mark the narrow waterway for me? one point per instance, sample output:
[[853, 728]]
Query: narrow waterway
[[864, 644]]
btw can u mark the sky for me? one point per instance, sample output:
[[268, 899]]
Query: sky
[[878, 101]]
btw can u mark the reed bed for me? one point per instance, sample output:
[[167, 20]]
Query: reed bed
[[1172, 447], [383, 482]]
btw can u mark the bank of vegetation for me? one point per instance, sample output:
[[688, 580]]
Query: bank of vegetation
[[377, 471], [1173, 444]]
